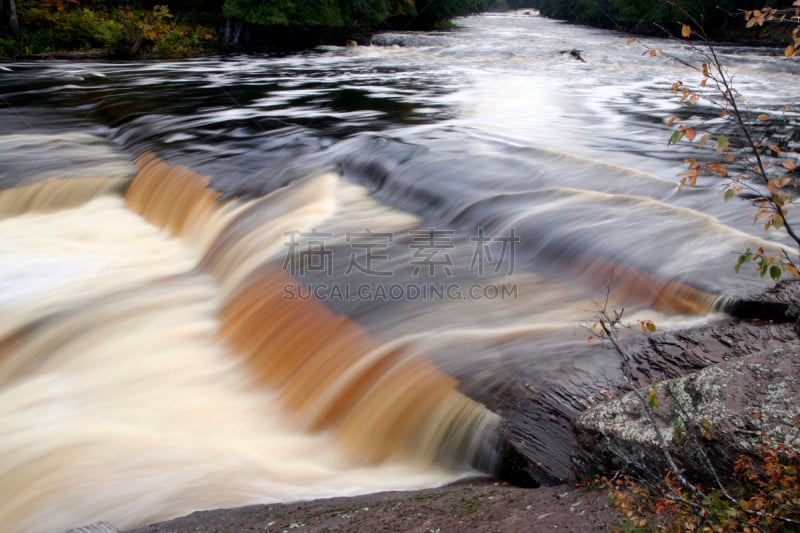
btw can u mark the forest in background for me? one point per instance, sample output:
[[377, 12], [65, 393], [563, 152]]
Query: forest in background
[[721, 19], [174, 28], [179, 28]]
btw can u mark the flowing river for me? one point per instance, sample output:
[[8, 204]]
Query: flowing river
[[262, 278]]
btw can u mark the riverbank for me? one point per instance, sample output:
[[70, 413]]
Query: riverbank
[[474, 505], [484, 504]]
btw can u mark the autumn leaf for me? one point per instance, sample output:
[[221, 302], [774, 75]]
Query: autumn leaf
[[789, 165], [763, 117], [789, 52], [690, 133], [693, 177], [686, 31]]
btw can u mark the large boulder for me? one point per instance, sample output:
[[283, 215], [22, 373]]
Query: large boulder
[[727, 409]]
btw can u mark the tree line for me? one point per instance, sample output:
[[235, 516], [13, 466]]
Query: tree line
[[189, 27], [186, 27], [720, 18]]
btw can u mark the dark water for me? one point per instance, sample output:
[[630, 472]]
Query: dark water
[[489, 183]]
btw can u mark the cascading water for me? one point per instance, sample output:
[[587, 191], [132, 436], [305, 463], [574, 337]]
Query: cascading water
[[388, 239]]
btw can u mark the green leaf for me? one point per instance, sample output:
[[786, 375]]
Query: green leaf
[[676, 136], [728, 194], [775, 272], [722, 142], [652, 400], [744, 258]]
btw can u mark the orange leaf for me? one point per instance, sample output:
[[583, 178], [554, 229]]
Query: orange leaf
[[789, 165], [693, 177], [690, 133], [763, 117], [789, 52], [686, 31]]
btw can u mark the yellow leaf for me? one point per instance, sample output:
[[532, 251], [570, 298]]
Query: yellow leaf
[[686, 31], [693, 177], [703, 140], [763, 117]]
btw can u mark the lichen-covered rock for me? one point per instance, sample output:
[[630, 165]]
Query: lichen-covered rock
[[728, 409]]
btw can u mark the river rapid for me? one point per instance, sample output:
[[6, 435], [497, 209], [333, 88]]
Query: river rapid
[[261, 278]]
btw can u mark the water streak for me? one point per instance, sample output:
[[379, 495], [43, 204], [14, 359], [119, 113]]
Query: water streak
[[142, 398]]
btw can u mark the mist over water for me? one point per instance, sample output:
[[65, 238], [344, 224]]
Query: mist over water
[[383, 233]]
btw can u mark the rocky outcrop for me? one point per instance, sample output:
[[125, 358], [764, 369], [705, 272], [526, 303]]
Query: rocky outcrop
[[727, 409]]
